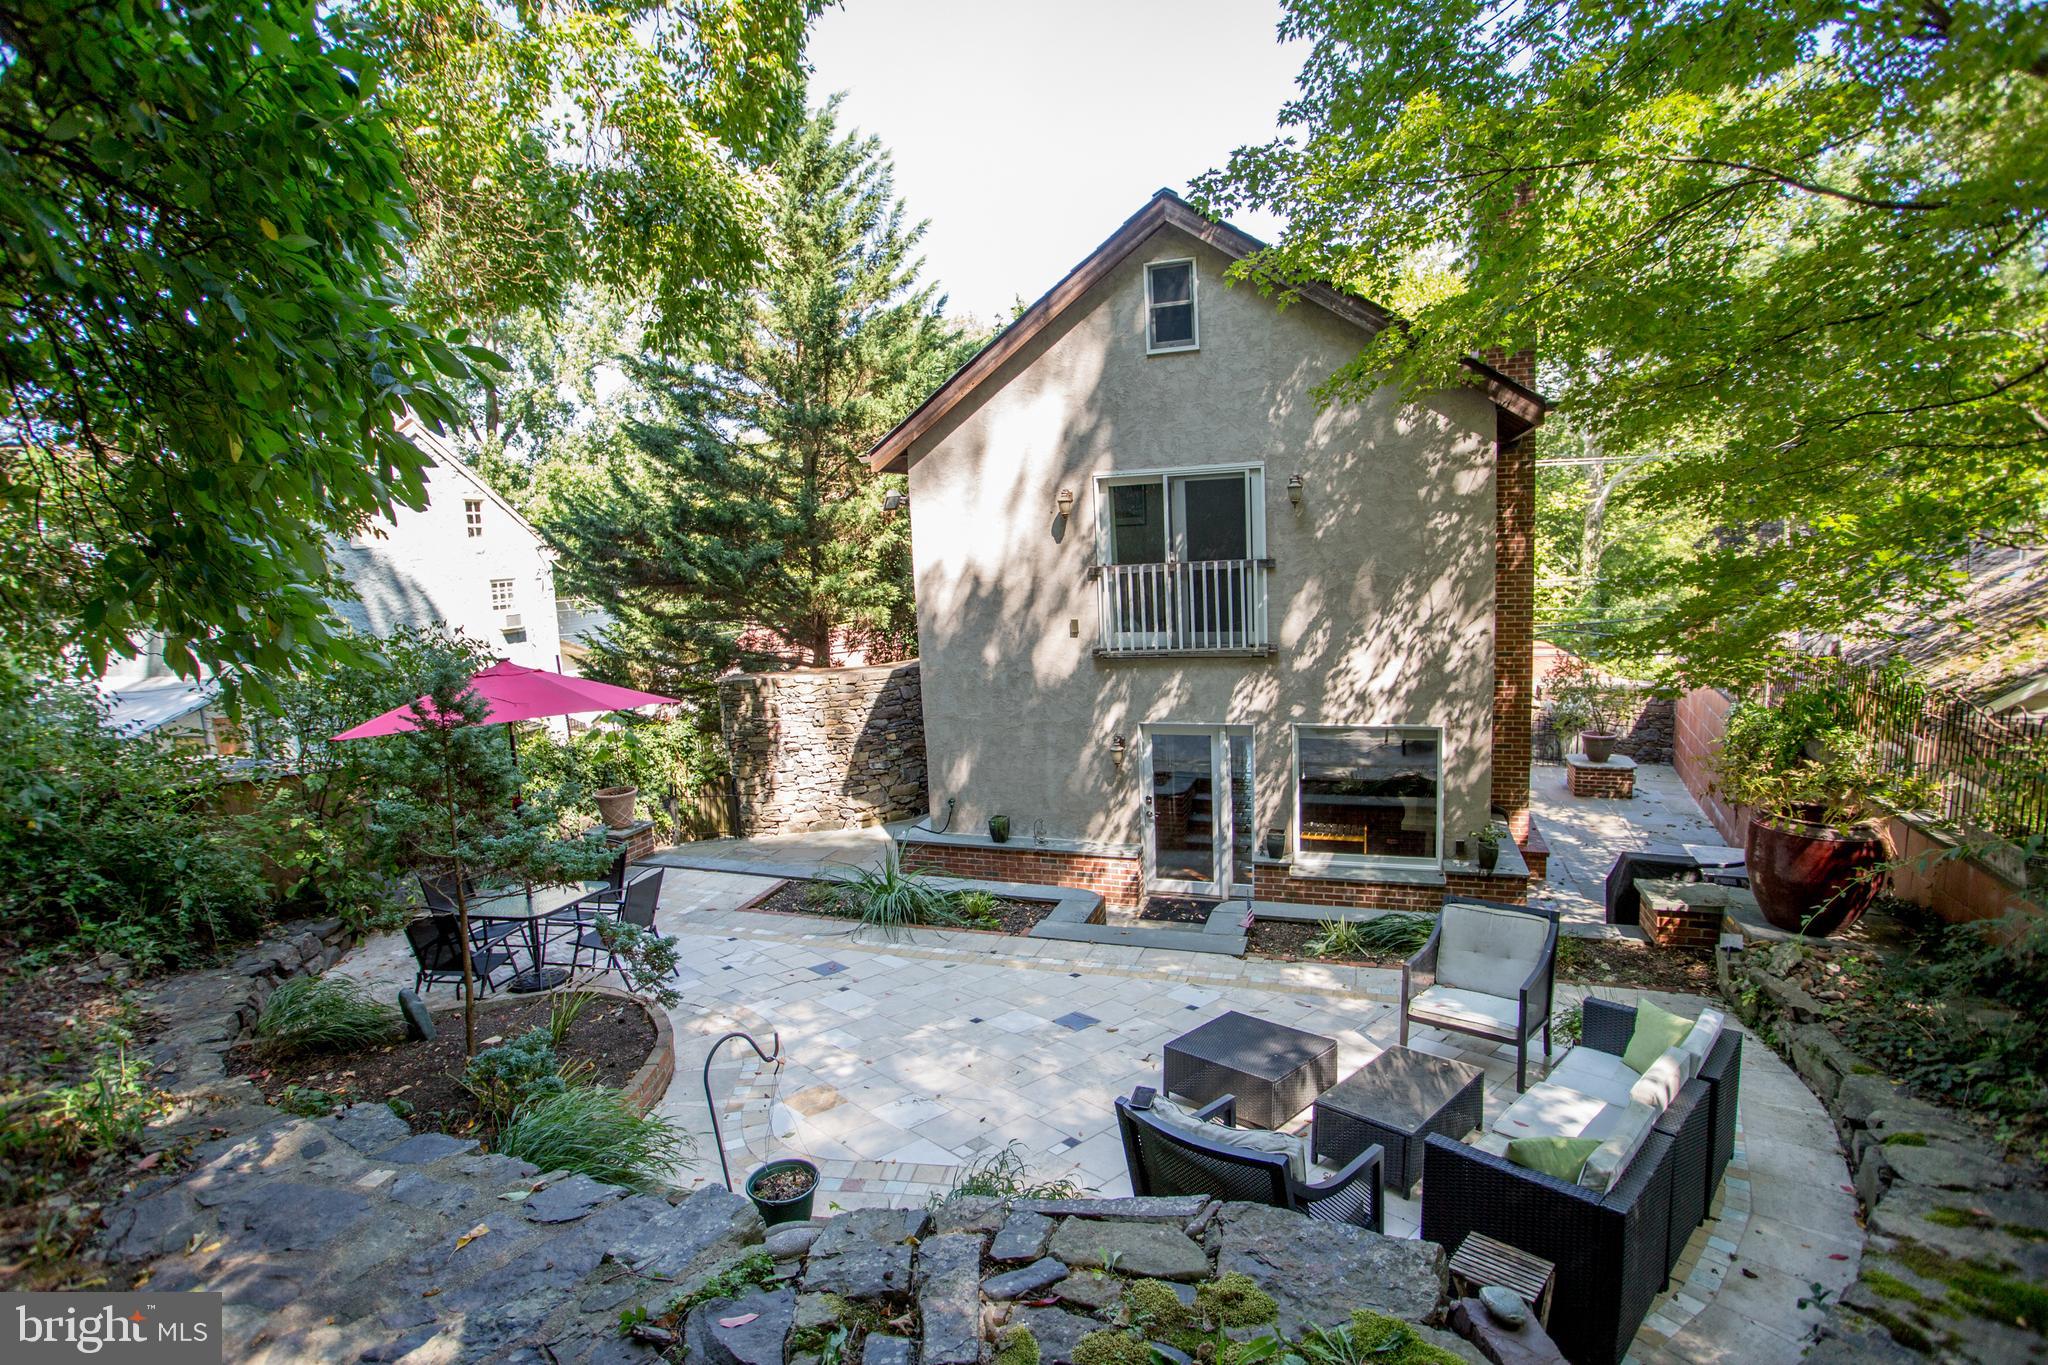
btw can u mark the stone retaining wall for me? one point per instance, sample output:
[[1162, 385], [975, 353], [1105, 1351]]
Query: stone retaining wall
[[1649, 736], [825, 748], [1958, 1236]]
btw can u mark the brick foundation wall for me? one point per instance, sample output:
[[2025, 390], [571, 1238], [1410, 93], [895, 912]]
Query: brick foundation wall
[[824, 748], [1273, 883], [1536, 853], [1514, 619], [1593, 783], [1119, 881]]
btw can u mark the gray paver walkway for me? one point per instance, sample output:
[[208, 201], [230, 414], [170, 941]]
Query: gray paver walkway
[[1586, 835]]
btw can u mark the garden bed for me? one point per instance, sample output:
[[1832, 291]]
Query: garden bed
[[1581, 961], [1010, 916], [614, 1036]]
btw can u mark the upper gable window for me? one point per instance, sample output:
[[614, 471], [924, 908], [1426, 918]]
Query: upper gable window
[[1170, 323], [473, 516]]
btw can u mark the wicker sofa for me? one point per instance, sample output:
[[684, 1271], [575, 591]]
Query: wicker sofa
[[1165, 1160], [1614, 1249]]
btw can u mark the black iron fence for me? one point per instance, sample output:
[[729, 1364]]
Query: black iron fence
[[1989, 773]]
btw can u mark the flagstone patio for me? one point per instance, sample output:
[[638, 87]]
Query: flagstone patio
[[906, 1058]]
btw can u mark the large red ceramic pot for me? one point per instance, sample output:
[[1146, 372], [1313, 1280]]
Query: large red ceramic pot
[[1811, 879]]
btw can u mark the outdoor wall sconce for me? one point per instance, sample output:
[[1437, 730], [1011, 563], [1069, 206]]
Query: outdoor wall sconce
[[1294, 490], [1117, 749], [892, 500], [1065, 502]]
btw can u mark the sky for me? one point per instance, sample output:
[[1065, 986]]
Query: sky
[[1026, 132]]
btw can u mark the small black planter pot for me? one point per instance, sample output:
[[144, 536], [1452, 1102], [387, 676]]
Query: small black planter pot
[[1487, 856], [794, 1209], [999, 828]]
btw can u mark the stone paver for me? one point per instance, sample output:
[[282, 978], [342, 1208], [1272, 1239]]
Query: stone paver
[[927, 1051], [1586, 835]]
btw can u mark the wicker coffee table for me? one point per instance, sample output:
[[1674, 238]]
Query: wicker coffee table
[[1397, 1100], [1274, 1071]]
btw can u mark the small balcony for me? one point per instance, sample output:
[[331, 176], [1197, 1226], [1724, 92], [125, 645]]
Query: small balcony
[[1204, 606]]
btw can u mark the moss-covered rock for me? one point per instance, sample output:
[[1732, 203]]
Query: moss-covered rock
[[1113, 1348], [1153, 1306], [1235, 1300], [1016, 1346]]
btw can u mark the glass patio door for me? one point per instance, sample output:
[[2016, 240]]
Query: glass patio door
[[1188, 810]]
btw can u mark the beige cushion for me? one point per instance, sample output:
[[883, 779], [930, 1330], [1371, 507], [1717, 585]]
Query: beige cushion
[[1661, 1083], [1705, 1033], [1596, 1073], [1180, 1118], [1614, 1153], [1551, 1110], [1487, 950], [1464, 1009]]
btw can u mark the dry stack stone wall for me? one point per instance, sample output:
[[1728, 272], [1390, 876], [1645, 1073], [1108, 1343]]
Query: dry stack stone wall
[[824, 748]]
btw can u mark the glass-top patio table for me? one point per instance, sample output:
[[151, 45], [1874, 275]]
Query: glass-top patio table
[[531, 907]]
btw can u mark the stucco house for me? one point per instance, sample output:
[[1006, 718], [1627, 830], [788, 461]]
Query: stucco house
[[1171, 608]]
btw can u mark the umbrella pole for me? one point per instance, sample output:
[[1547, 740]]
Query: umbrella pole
[[518, 798]]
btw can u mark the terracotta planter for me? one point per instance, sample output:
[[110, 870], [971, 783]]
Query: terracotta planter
[[1599, 745], [615, 805], [1810, 879]]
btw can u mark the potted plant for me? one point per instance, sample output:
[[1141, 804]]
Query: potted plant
[[1485, 842], [783, 1190], [999, 828], [1817, 790], [1587, 704], [606, 758]]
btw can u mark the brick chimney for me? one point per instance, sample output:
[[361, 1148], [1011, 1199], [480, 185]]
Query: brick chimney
[[1514, 608]]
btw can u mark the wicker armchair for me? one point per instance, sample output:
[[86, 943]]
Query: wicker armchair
[[1609, 1248], [1451, 986], [1164, 1161]]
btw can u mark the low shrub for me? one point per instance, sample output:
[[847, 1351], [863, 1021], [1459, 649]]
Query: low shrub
[[1394, 934], [323, 1014], [503, 1078], [592, 1130], [1003, 1175], [891, 896], [978, 909]]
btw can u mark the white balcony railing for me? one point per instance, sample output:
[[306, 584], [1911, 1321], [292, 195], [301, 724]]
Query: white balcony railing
[[1201, 606]]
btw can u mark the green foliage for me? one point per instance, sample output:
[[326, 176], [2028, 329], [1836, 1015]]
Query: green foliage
[[1921, 1015], [1152, 1306], [50, 1132], [1112, 1348], [1569, 1023], [564, 1010], [1234, 1300], [1016, 1346], [646, 959], [1002, 1175], [670, 760], [592, 1130], [1783, 250], [1371, 1339], [750, 1271], [110, 844], [745, 501], [323, 1014], [978, 909], [503, 1078], [308, 1102], [891, 896], [1585, 699], [1806, 754], [609, 145], [206, 360], [1394, 934]]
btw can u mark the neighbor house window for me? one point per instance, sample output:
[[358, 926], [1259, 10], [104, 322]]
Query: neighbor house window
[[473, 515], [1170, 306], [501, 594], [1368, 794]]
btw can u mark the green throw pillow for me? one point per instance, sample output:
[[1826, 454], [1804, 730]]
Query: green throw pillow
[[1562, 1157], [1656, 1030]]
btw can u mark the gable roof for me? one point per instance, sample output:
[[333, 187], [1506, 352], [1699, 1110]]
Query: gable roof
[[1520, 407], [444, 455]]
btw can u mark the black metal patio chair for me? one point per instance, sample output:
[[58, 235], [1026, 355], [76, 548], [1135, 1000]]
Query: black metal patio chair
[[1165, 1161], [436, 942], [635, 904]]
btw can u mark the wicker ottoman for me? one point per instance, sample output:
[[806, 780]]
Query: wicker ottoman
[[1274, 1071], [1397, 1100]]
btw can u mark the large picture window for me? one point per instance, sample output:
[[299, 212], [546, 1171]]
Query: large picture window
[[1368, 793]]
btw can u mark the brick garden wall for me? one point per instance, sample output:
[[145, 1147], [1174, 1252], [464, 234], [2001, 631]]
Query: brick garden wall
[[824, 748], [1601, 784], [1514, 618], [1119, 881], [1274, 883]]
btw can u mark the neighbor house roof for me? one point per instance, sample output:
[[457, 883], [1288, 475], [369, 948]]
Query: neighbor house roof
[[1990, 646], [1520, 406]]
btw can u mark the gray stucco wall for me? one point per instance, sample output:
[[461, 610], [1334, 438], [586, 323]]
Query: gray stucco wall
[[1381, 599]]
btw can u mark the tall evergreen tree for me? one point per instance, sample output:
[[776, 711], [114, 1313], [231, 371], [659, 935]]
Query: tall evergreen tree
[[744, 501]]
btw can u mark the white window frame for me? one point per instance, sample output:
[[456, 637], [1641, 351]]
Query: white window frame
[[1255, 501], [473, 518], [1194, 341], [1314, 862], [511, 594]]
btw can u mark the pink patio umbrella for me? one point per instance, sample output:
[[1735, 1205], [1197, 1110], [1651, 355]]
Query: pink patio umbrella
[[513, 693]]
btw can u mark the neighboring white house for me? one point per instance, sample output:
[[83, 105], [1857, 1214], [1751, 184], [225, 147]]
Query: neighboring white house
[[467, 560]]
